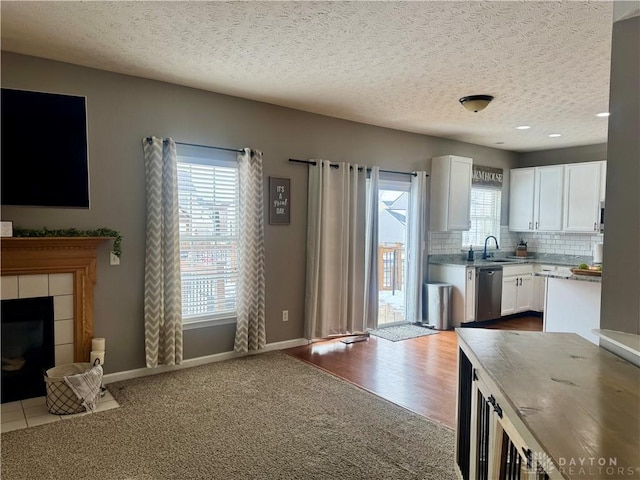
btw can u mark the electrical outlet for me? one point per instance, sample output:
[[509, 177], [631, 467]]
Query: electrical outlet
[[285, 315], [114, 259]]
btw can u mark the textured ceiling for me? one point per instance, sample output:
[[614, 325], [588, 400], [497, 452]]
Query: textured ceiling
[[402, 65]]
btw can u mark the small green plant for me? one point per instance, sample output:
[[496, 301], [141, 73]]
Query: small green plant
[[73, 232], [583, 266]]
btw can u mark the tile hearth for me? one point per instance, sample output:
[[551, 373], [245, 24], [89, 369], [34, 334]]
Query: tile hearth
[[33, 412]]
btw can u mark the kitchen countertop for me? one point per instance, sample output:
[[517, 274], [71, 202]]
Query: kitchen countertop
[[533, 258], [567, 275]]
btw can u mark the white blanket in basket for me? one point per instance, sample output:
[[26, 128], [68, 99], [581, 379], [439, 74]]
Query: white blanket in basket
[[86, 386]]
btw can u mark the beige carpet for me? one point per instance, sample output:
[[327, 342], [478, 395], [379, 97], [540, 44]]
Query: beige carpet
[[268, 416]]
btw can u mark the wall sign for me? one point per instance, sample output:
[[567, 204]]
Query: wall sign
[[279, 201], [487, 176]]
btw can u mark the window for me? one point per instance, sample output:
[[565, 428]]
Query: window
[[485, 216], [208, 203]]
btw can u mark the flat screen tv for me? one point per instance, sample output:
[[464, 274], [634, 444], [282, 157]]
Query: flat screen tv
[[44, 149]]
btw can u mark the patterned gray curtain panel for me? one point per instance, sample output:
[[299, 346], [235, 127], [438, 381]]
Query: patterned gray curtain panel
[[250, 328], [162, 293]]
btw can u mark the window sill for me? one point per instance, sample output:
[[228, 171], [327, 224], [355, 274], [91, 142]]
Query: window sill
[[208, 322]]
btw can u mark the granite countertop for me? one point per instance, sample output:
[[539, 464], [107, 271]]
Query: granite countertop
[[533, 258], [567, 275]]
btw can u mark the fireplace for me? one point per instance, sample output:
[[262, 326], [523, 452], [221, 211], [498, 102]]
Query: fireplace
[[27, 346], [63, 270]]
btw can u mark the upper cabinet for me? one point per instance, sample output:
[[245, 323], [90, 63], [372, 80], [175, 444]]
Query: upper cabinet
[[450, 193], [521, 197], [535, 199], [582, 197], [557, 198]]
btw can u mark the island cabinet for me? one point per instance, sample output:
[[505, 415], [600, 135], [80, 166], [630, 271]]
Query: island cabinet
[[535, 405]]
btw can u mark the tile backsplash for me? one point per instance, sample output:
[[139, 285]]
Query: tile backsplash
[[443, 243]]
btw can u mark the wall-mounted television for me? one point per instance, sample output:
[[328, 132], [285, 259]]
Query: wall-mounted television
[[44, 149]]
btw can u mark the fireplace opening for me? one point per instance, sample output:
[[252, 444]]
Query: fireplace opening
[[27, 346]]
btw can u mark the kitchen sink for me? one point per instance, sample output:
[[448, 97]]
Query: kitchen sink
[[501, 260]]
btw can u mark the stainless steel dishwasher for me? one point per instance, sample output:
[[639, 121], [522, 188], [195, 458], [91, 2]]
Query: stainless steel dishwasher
[[488, 292]]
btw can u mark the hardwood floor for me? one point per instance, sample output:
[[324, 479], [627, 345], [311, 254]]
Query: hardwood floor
[[418, 374]]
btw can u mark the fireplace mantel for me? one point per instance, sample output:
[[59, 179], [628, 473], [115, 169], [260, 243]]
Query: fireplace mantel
[[47, 255]]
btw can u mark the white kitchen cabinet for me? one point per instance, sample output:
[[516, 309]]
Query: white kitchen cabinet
[[538, 291], [582, 197], [450, 193], [521, 197], [463, 294], [517, 289], [470, 295], [547, 213], [535, 199]]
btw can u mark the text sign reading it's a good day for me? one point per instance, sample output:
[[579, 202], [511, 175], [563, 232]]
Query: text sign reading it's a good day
[[279, 201]]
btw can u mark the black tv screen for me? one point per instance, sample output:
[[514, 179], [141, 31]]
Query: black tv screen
[[44, 149]]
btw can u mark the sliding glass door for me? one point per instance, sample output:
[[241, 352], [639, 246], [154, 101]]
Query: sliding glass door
[[392, 252]]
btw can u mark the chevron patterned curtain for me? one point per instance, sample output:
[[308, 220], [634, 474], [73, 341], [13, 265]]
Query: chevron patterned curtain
[[250, 328], [162, 294]]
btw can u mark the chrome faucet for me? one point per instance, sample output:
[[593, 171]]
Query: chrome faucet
[[484, 254]]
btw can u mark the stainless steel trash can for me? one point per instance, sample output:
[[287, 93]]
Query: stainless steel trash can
[[438, 302]]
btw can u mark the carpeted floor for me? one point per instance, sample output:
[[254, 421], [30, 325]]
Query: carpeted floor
[[266, 416], [402, 332]]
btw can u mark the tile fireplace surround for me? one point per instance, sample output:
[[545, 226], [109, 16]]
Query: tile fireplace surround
[[65, 269]]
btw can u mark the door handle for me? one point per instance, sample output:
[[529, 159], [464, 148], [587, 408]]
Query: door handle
[[536, 225], [490, 272], [595, 229], [516, 282], [520, 281], [530, 225]]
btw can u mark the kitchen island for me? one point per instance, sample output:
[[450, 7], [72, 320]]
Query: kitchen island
[[540, 405], [572, 303]]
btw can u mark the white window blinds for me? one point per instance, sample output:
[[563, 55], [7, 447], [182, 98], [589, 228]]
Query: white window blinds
[[208, 202], [485, 216]]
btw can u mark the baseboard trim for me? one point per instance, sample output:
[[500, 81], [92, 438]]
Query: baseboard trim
[[194, 362]]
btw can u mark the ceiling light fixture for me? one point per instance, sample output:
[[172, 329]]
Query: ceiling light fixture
[[523, 127], [602, 114], [554, 135], [476, 103]]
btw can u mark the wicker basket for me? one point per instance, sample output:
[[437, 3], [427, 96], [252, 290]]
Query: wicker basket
[[60, 398]]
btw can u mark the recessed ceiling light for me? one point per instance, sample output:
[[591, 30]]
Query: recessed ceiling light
[[602, 114], [553, 135], [523, 127]]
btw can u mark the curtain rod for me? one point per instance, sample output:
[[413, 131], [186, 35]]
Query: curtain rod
[[335, 165], [205, 146]]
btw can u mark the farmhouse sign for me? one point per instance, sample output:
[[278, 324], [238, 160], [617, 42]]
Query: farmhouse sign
[[279, 201], [487, 176]]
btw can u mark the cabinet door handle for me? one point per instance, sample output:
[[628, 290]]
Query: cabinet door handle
[[595, 229], [516, 282], [530, 225], [520, 281], [536, 225]]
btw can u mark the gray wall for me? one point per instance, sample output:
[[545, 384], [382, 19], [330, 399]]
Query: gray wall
[[586, 153], [621, 272], [122, 110]]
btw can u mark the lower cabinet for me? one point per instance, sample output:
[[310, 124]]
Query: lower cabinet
[[463, 295], [517, 289]]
